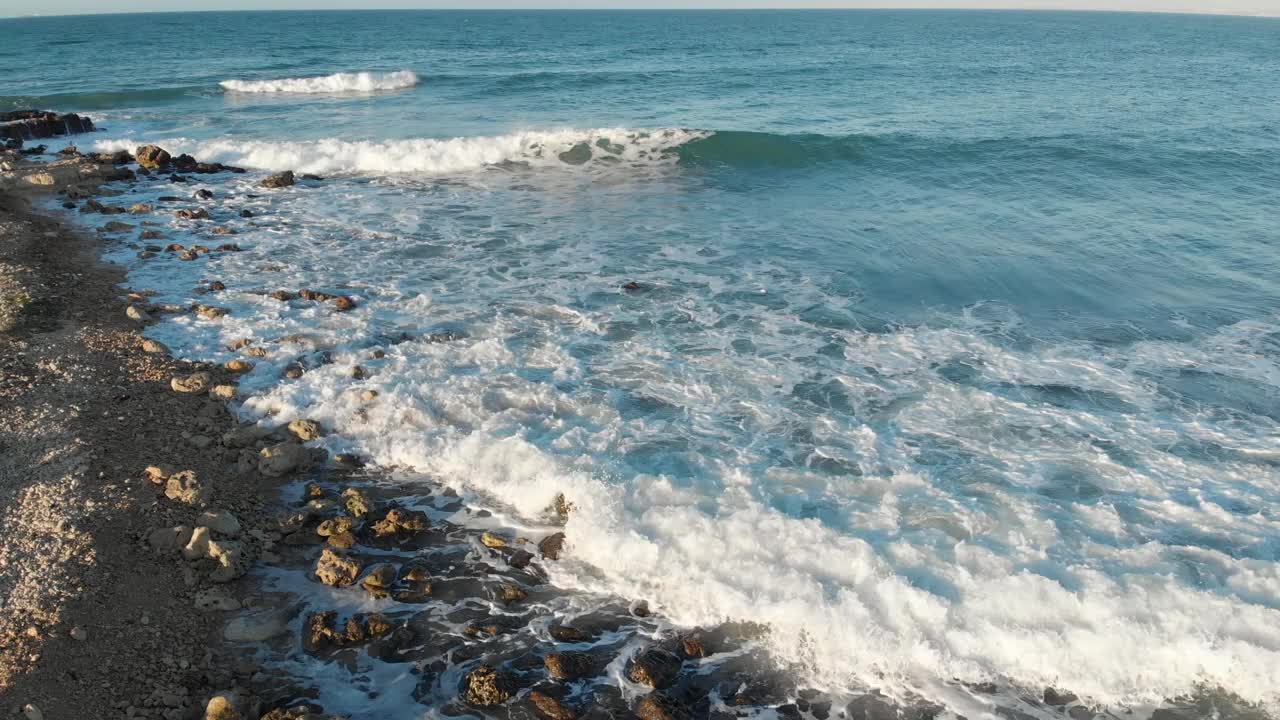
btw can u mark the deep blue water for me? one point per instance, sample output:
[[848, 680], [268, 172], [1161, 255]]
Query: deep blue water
[[957, 348]]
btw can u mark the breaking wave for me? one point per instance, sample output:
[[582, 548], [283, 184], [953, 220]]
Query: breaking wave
[[336, 83], [438, 156]]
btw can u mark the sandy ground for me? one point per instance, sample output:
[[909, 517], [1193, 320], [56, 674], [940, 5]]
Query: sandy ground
[[94, 622]]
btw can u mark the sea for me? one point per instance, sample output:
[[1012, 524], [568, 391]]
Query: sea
[[942, 348]]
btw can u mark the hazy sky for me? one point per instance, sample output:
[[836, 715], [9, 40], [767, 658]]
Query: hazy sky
[[9, 8]]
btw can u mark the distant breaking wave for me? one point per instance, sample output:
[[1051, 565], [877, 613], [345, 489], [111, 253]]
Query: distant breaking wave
[[336, 83]]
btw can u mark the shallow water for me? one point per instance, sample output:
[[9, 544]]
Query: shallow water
[[955, 351]]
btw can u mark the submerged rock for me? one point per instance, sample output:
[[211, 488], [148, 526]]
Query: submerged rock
[[569, 665], [660, 706], [549, 708]]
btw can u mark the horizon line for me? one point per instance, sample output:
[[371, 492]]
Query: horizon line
[[713, 8]]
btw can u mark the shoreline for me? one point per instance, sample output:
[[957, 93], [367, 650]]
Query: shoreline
[[357, 580]]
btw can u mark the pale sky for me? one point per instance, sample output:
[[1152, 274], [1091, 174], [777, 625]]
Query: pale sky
[[11, 8]]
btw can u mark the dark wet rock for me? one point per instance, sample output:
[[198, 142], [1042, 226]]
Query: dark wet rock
[[152, 157], [227, 247], [493, 626], [336, 569], [691, 647], [282, 295], [1058, 698], [379, 579], [203, 194], [246, 213], [305, 711], [520, 559], [568, 634], [151, 235], [549, 708], [69, 151], [655, 667], [569, 665], [115, 226], [336, 526], [23, 125], [197, 214], [188, 255], [551, 546], [509, 593], [576, 155], [348, 461], [312, 177], [641, 609], [661, 706], [217, 286], [279, 180], [169, 198], [485, 687], [633, 286], [359, 372], [69, 205], [35, 150], [185, 163], [293, 371], [344, 303]]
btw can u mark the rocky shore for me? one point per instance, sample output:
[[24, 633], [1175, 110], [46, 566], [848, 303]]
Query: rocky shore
[[158, 559]]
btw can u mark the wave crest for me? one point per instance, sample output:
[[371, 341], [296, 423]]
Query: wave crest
[[435, 157], [336, 83]]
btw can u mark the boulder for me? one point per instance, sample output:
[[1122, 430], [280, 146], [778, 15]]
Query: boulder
[[220, 521], [305, 430], [281, 459], [551, 546], [279, 180], [486, 687], [336, 569], [569, 665], [660, 706], [655, 667], [223, 706], [152, 157], [549, 708], [567, 634]]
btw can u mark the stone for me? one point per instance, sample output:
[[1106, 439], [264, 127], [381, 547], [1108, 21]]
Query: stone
[[509, 593], [551, 546], [152, 157], [137, 314], [258, 626], [230, 559], [343, 303], [368, 395], [197, 548], [156, 475], [215, 600], [187, 488], [660, 706], [691, 647], [379, 579], [140, 209], [655, 667], [336, 569], [115, 226], [306, 430], [568, 634], [568, 665], [154, 347], [152, 235], [400, 523], [492, 540], [32, 712], [549, 708], [193, 383], [169, 540], [222, 392], [280, 459], [335, 526], [211, 312], [355, 502], [486, 687], [279, 180], [238, 366], [220, 521], [197, 214], [202, 194], [216, 286]]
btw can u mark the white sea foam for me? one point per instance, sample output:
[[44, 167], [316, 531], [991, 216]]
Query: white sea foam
[[433, 156], [336, 83]]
